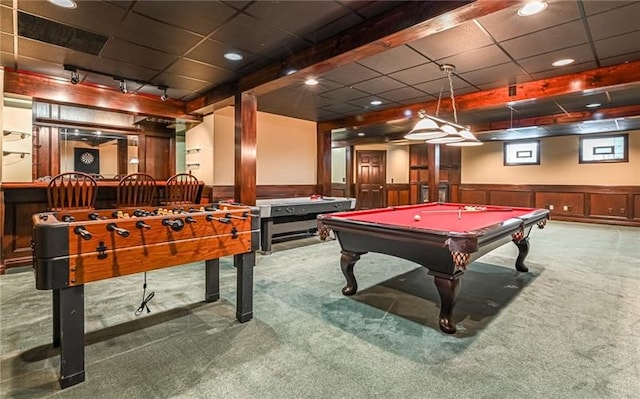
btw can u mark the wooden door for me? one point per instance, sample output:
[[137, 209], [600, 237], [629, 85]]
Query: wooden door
[[370, 179], [159, 157]]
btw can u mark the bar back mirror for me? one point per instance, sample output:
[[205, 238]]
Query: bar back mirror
[[104, 155]]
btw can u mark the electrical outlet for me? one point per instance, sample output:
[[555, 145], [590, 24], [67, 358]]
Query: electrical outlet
[[565, 208], [550, 207]]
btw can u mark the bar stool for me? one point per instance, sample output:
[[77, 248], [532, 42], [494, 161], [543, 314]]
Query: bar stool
[[136, 189], [72, 190]]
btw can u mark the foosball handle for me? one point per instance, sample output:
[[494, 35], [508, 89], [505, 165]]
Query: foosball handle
[[82, 232], [118, 230]]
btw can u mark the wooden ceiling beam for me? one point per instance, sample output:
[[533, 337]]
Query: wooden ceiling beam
[[403, 24], [598, 80], [61, 91]]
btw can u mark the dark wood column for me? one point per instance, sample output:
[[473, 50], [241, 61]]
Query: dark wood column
[[246, 112], [351, 192], [324, 160], [433, 179]]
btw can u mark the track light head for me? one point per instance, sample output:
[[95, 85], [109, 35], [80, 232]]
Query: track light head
[[164, 96], [123, 86], [75, 77]]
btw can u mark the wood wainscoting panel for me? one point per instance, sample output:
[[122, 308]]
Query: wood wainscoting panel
[[511, 198], [398, 194], [636, 206], [569, 204], [608, 205], [471, 196]]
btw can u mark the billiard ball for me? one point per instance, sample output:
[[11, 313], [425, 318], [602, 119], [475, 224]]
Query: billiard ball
[[416, 217]]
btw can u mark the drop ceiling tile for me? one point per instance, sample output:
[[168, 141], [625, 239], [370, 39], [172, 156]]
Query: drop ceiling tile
[[55, 54], [542, 62], [201, 17], [417, 100], [393, 60], [620, 59], [573, 68], [342, 108], [132, 53], [201, 71], [6, 60], [418, 74], [595, 7], [457, 40], [434, 87], [376, 85], [298, 17], [342, 24], [507, 24], [344, 94], [402, 94], [365, 103], [573, 103], [618, 45], [42, 67], [626, 20], [477, 59], [506, 73], [264, 39], [180, 82], [93, 16], [212, 52], [156, 35], [551, 39], [124, 70], [350, 74]]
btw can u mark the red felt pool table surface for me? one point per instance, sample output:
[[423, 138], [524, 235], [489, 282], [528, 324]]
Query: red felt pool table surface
[[438, 216]]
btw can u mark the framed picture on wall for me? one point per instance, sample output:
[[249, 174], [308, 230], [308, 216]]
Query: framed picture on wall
[[86, 160]]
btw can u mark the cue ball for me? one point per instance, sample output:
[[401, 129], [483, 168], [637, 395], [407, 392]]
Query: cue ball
[[416, 217]]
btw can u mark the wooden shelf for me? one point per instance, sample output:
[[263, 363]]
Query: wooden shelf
[[12, 135]]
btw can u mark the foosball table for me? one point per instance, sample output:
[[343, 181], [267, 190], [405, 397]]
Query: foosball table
[[72, 248]]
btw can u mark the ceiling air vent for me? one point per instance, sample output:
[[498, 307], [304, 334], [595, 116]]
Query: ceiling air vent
[[41, 29]]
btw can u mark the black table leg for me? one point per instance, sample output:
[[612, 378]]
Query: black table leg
[[212, 280], [244, 268], [266, 226], [71, 312], [347, 262], [448, 288], [523, 251], [55, 301]]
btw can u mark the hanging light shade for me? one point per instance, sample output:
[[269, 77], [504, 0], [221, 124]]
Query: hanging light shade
[[426, 128], [468, 140], [448, 139]]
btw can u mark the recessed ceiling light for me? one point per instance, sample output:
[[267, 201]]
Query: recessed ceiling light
[[563, 62], [311, 82], [290, 71], [64, 3], [360, 134], [593, 105], [375, 102], [233, 56], [532, 8]]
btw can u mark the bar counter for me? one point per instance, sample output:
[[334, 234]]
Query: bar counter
[[21, 200]]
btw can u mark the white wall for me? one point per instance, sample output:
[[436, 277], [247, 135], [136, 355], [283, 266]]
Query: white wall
[[558, 165], [285, 149], [199, 141]]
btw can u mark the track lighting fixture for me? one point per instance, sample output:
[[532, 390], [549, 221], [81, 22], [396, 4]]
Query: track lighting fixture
[[164, 95], [75, 76], [123, 86]]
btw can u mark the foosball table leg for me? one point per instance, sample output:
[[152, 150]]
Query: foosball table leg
[[212, 280], [71, 310], [244, 268]]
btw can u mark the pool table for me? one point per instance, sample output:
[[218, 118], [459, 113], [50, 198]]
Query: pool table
[[443, 237]]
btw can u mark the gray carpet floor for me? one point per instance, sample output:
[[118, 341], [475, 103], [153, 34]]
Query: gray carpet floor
[[570, 328]]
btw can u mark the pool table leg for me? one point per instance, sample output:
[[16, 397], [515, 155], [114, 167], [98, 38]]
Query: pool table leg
[[448, 288], [523, 251], [347, 262]]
